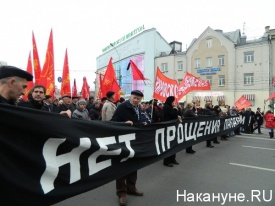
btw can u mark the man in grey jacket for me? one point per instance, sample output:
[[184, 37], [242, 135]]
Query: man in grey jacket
[[109, 107]]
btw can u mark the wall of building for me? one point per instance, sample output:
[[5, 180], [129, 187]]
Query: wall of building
[[148, 44]]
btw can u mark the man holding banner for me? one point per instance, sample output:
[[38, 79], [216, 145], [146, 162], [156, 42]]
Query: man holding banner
[[129, 112]]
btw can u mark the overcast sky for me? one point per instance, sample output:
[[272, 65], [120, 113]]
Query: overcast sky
[[85, 27]]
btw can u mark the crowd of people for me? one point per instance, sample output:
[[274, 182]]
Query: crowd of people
[[13, 82]]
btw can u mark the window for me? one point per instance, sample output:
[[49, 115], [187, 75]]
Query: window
[[208, 62], [221, 60], [164, 67], [248, 57], [221, 80], [209, 43], [179, 81], [209, 79], [180, 66], [197, 63], [248, 78]]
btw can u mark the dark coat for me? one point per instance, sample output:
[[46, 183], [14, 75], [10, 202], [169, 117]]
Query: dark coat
[[259, 117], [125, 112], [94, 113], [32, 104], [47, 108], [189, 113], [63, 107], [169, 113], [4, 101]]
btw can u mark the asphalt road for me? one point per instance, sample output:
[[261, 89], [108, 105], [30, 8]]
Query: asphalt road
[[240, 171]]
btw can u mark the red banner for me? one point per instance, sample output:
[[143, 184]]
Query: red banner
[[109, 82], [272, 96], [74, 89], [164, 87], [66, 85], [36, 62], [47, 74], [242, 103], [30, 83], [190, 83], [85, 91], [137, 75]]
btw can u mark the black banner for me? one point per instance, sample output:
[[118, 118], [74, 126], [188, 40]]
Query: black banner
[[46, 158]]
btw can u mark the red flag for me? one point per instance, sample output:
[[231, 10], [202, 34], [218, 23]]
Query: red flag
[[74, 89], [30, 83], [47, 74], [242, 103], [65, 85], [101, 91], [164, 87], [137, 75], [109, 82], [190, 83], [272, 96], [36, 62], [85, 91]]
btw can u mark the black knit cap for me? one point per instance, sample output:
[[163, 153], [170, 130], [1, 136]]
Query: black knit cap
[[137, 92], [11, 71]]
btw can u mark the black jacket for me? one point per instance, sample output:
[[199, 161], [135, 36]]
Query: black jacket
[[169, 113], [32, 104], [125, 111]]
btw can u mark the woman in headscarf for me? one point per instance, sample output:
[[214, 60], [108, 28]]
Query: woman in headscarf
[[170, 112]]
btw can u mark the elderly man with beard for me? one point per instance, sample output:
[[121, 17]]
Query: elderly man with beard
[[131, 113]]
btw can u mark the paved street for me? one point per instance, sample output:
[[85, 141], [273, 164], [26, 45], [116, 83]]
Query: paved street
[[233, 171]]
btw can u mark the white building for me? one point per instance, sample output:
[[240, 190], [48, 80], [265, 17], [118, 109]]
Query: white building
[[142, 50]]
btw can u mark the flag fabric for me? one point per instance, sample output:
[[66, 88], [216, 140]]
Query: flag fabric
[[272, 96], [190, 83], [47, 74], [65, 85], [109, 82], [137, 75], [100, 91], [36, 62], [164, 87], [30, 83], [242, 102], [85, 91], [74, 90]]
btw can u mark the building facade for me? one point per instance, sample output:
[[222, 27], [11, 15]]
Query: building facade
[[142, 50], [233, 66]]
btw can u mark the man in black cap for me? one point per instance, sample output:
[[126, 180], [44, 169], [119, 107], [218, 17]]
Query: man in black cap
[[131, 113], [66, 102], [13, 82], [72, 106], [109, 107], [47, 104]]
